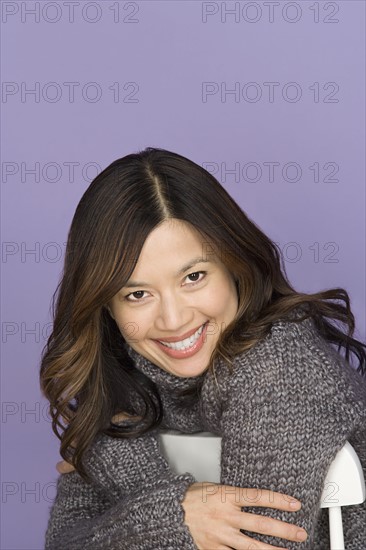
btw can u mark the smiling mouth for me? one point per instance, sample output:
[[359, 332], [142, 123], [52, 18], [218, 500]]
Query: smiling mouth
[[187, 343]]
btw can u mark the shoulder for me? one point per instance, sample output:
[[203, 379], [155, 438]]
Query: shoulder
[[294, 359]]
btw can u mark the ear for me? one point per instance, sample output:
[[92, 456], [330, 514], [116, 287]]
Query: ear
[[110, 311]]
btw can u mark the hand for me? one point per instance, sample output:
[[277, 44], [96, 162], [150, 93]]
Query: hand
[[214, 517], [64, 467]]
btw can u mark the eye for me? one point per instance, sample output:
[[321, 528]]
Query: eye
[[137, 294], [196, 274]]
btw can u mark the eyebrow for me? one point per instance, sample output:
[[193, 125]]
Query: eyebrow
[[189, 265]]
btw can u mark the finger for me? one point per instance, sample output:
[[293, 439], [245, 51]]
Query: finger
[[120, 417], [250, 544], [273, 527], [242, 542], [263, 498], [64, 467]]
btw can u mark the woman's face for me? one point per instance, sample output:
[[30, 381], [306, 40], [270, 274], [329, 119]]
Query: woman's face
[[174, 307]]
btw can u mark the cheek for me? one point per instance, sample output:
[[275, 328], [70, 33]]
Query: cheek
[[227, 295], [219, 297], [132, 325]]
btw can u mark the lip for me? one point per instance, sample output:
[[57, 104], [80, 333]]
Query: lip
[[179, 338], [185, 354]]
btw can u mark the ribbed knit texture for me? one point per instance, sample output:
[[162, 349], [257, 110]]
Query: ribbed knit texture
[[289, 406]]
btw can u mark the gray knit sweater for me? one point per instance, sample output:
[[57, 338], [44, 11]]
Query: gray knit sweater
[[285, 411]]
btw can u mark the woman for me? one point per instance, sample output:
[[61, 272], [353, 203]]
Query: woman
[[173, 312]]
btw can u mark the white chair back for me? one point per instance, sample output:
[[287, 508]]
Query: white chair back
[[199, 454]]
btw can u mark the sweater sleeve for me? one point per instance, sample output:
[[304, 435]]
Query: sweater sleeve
[[133, 501], [291, 404]]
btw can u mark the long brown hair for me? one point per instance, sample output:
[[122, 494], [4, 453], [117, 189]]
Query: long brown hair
[[86, 372]]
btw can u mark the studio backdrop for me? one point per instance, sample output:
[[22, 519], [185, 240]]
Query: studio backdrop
[[269, 96]]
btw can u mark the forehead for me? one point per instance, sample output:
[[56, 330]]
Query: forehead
[[172, 248], [169, 235]]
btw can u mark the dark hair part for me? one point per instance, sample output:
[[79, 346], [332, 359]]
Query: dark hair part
[[86, 372]]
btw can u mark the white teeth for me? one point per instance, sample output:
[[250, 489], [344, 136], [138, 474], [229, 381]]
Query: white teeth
[[186, 343]]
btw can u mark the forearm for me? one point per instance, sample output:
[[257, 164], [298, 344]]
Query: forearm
[[133, 499], [150, 518], [120, 466], [293, 461]]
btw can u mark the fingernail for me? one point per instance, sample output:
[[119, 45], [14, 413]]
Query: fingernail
[[295, 504], [301, 535]]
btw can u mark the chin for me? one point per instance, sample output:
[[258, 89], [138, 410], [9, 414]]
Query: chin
[[185, 371]]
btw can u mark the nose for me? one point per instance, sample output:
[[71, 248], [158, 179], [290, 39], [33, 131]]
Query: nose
[[173, 314]]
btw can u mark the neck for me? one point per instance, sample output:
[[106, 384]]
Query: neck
[[161, 377]]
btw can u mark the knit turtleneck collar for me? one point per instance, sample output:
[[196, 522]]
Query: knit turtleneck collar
[[163, 379], [169, 382]]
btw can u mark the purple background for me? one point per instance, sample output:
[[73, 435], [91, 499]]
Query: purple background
[[168, 52]]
